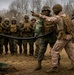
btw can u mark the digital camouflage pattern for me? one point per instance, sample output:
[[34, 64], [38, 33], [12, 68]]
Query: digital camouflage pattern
[[13, 32], [28, 32], [43, 27], [6, 31]]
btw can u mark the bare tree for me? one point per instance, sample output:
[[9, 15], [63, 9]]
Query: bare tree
[[36, 5], [50, 2], [20, 5], [68, 8], [14, 8]]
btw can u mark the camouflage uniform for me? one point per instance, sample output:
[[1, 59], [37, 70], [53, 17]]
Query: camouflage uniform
[[28, 32], [37, 47], [6, 31], [64, 39], [13, 32], [33, 24], [20, 30], [37, 30], [42, 28], [1, 38]]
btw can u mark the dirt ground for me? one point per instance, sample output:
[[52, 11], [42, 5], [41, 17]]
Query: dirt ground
[[26, 64]]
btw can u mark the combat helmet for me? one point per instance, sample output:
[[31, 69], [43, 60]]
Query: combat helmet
[[33, 19], [57, 8], [6, 19], [26, 17], [13, 20], [46, 8]]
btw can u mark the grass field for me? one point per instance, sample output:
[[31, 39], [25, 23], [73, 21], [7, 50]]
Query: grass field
[[26, 64]]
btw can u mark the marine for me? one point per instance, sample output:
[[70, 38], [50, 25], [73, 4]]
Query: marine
[[20, 30], [13, 32], [28, 32], [6, 31], [64, 36], [44, 27], [33, 24]]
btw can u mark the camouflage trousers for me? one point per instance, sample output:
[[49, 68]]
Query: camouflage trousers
[[20, 46], [57, 48], [37, 47], [1, 44], [31, 46], [42, 47], [43, 42], [13, 46], [6, 41]]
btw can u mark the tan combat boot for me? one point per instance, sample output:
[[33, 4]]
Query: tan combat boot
[[53, 70]]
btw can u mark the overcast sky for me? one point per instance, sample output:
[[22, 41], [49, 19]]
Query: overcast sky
[[4, 4]]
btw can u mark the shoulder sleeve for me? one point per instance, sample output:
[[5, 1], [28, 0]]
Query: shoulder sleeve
[[38, 27]]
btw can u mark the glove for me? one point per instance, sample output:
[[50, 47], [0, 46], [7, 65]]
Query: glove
[[34, 14]]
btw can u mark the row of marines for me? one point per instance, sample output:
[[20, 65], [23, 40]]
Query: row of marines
[[22, 29], [60, 28]]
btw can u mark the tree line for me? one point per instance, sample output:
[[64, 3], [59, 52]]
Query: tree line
[[22, 7]]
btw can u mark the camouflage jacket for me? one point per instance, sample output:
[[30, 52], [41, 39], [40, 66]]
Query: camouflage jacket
[[28, 30], [40, 31], [43, 27], [38, 28], [6, 28], [20, 30]]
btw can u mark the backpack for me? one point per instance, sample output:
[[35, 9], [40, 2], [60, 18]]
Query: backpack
[[67, 24]]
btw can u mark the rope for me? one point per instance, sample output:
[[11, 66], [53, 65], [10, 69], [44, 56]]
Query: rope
[[26, 38]]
